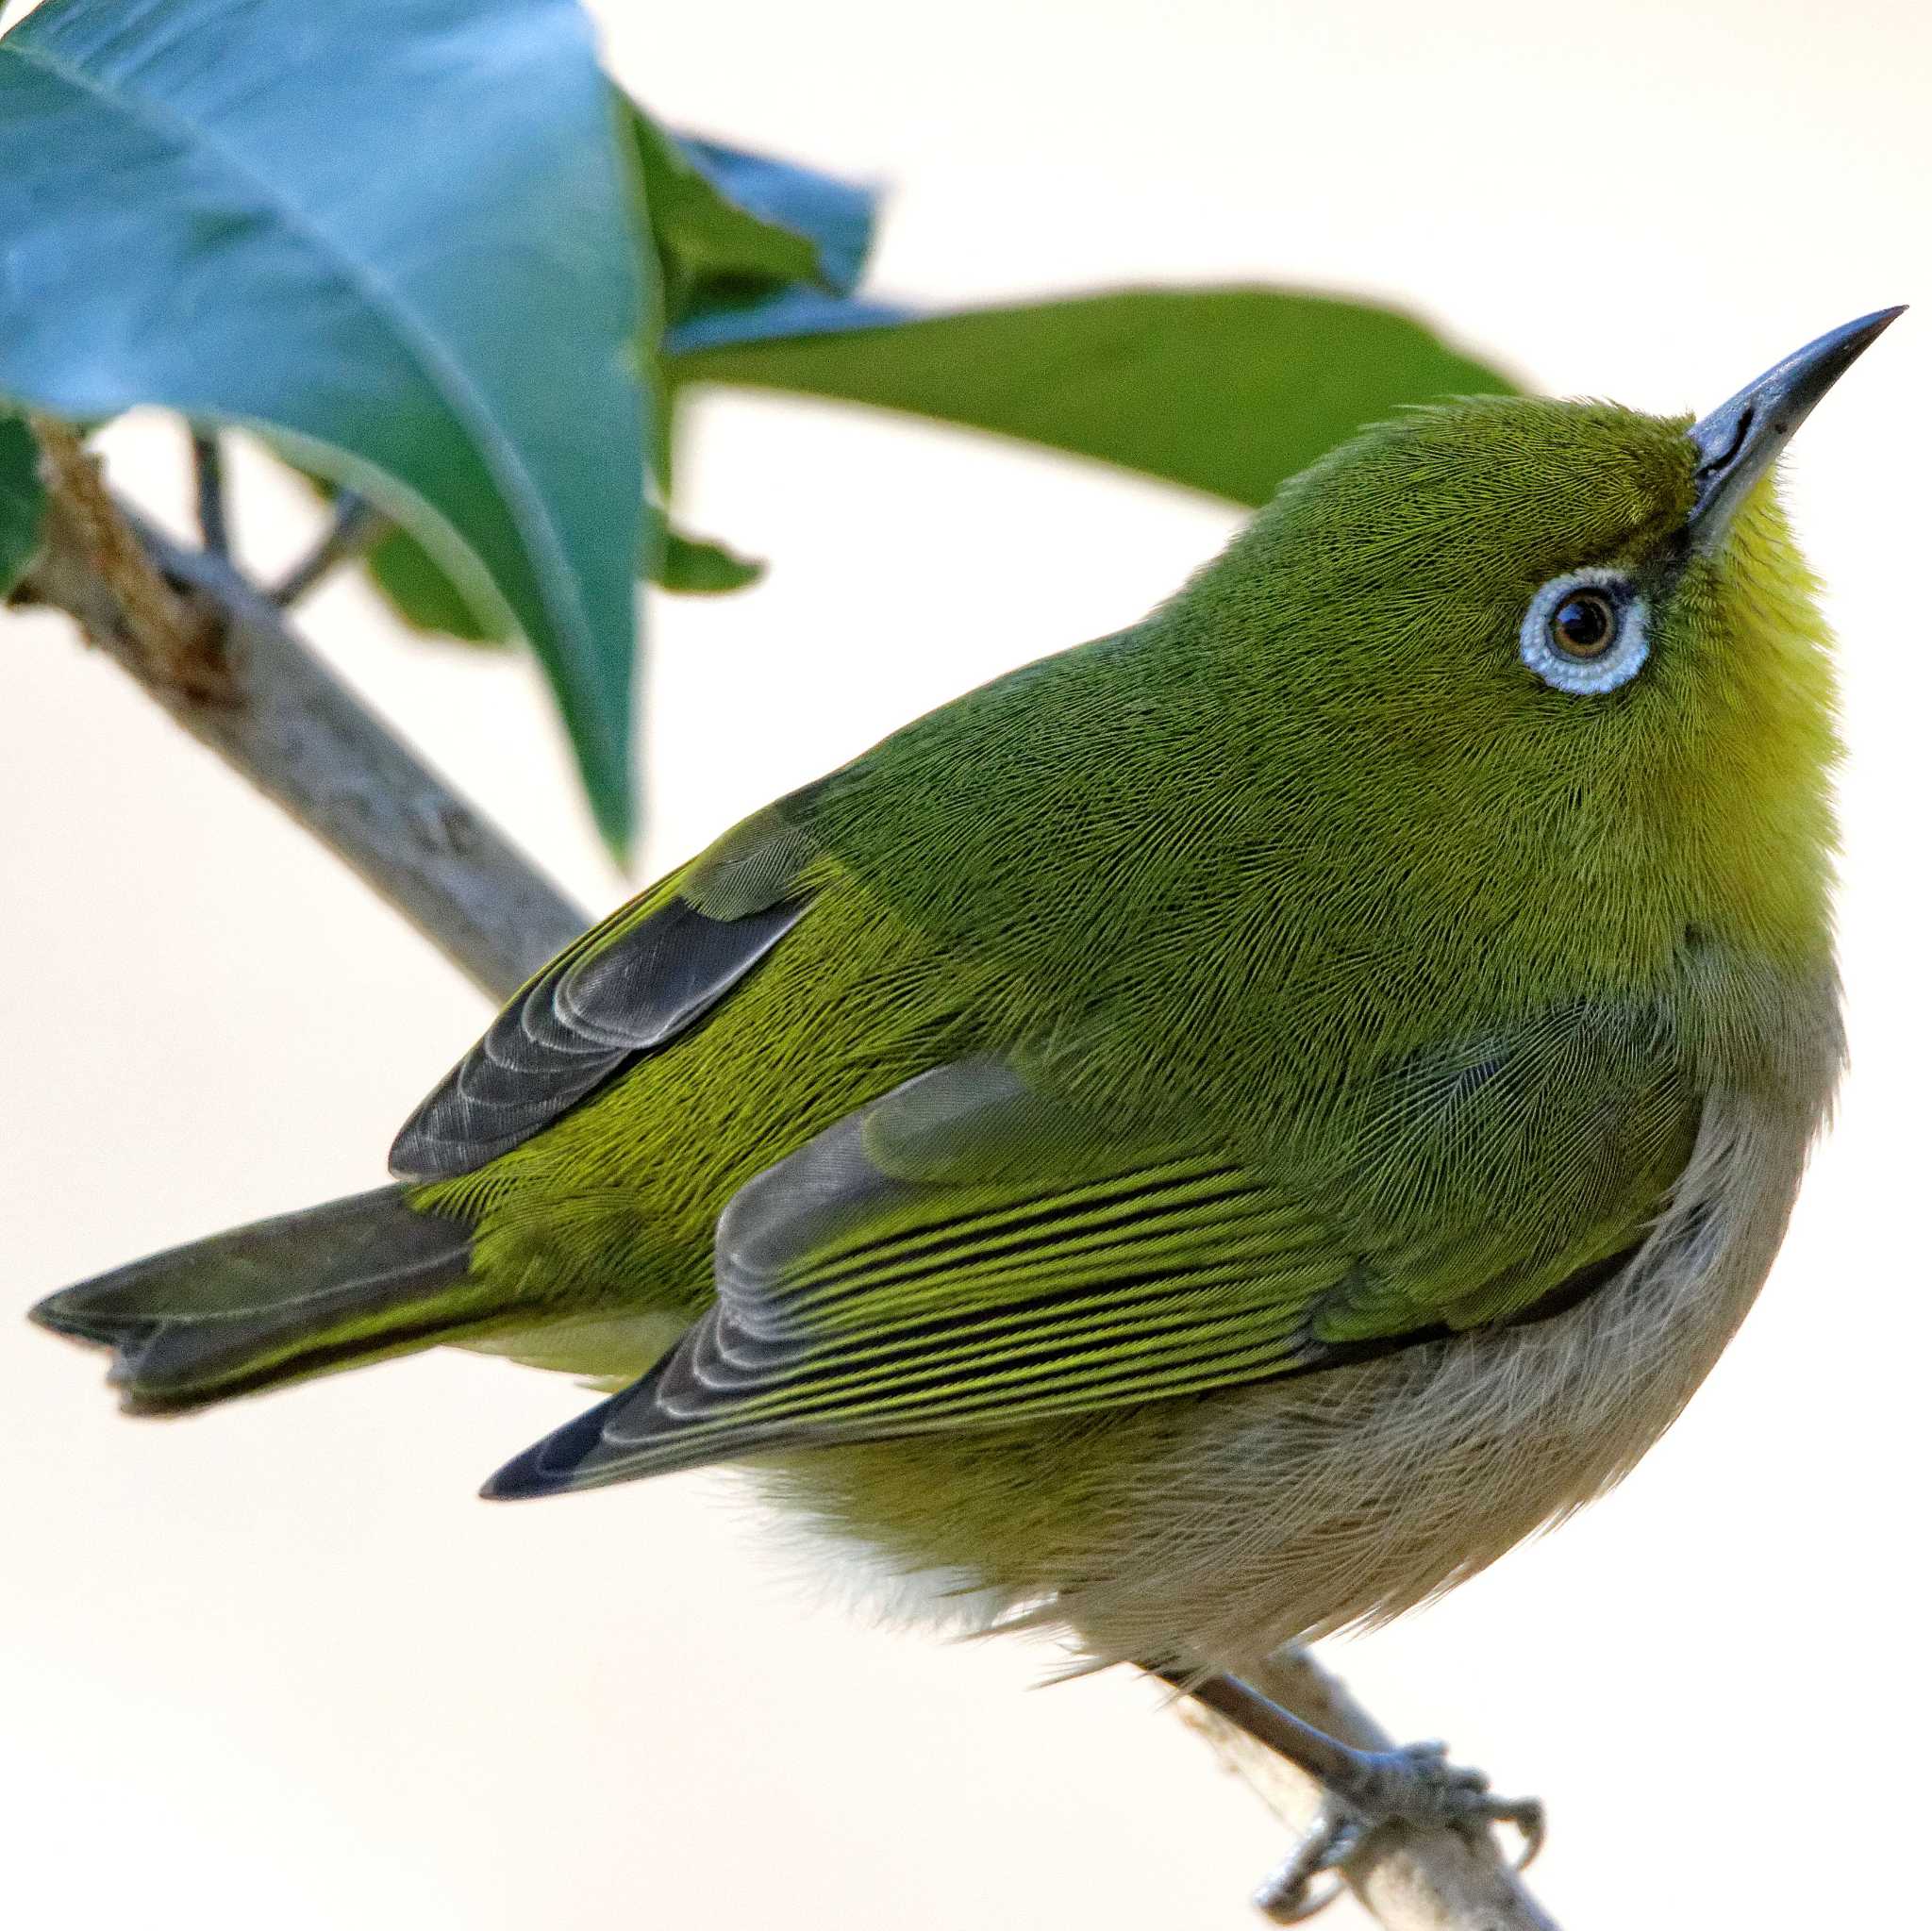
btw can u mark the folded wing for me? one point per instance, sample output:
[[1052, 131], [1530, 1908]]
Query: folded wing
[[969, 1251]]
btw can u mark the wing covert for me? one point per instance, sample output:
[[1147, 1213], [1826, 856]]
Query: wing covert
[[964, 1250], [629, 986], [969, 1250]]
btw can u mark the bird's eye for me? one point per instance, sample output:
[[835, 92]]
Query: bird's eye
[[1585, 632], [1585, 624]]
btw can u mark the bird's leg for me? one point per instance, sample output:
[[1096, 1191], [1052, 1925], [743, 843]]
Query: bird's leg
[[1362, 1790]]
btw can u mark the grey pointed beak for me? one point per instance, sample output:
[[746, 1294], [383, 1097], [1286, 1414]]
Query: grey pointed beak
[[1737, 442]]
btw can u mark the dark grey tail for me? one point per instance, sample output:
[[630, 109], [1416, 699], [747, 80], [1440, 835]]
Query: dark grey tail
[[327, 1287]]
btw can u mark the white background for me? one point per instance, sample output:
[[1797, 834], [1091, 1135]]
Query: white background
[[275, 1665]]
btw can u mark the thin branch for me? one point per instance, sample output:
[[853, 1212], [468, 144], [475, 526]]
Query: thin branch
[[1408, 1879], [210, 492], [218, 657], [97, 556], [356, 527]]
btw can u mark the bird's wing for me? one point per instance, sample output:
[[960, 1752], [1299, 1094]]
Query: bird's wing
[[627, 987], [968, 1251]]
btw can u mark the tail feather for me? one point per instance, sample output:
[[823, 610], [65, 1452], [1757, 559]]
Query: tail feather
[[330, 1287]]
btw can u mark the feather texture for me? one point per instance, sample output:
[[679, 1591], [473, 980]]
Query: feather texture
[[352, 1280], [968, 1249], [1348, 990], [1217, 1134], [628, 985]]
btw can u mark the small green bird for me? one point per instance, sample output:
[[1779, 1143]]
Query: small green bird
[[1210, 1138]]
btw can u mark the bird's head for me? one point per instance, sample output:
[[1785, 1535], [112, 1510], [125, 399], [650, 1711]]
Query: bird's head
[[1555, 668]]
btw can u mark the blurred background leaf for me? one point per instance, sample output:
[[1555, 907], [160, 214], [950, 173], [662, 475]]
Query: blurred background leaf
[[427, 598], [20, 501], [695, 566], [728, 230], [1224, 390], [507, 396], [319, 315], [838, 217], [732, 228]]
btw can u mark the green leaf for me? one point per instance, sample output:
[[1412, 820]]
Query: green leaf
[[1225, 390], [427, 598], [695, 566], [22, 499], [732, 228], [421, 591], [837, 217], [701, 232], [349, 226]]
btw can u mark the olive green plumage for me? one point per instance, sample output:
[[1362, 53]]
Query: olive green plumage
[[1211, 1136]]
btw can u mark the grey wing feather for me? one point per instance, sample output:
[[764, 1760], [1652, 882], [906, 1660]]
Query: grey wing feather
[[608, 998], [208, 1318], [629, 986]]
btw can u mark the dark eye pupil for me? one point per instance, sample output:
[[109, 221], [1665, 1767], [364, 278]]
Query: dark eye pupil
[[1583, 623]]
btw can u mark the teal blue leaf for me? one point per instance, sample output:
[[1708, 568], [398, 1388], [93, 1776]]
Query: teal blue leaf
[[792, 315], [21, 500], [347, 226], [1224, 390]]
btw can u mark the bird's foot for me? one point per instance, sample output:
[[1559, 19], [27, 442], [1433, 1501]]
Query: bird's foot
[[1416, 1784]]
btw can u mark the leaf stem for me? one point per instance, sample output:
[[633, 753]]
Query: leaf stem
[[210, 492], [355, 528], [283, 718]]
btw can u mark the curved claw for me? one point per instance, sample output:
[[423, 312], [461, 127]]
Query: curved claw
[[1300, 1907], [1332, 1838], [1415, 1785], [1530, 1823], [1362, 1790]]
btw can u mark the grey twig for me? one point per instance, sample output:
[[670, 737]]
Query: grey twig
[[355, 527], [1408, 1879], [221, 659], [210, 492], [218, 657]]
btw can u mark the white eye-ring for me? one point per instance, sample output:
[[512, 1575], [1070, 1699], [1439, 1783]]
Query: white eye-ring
[[1586, 632]]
